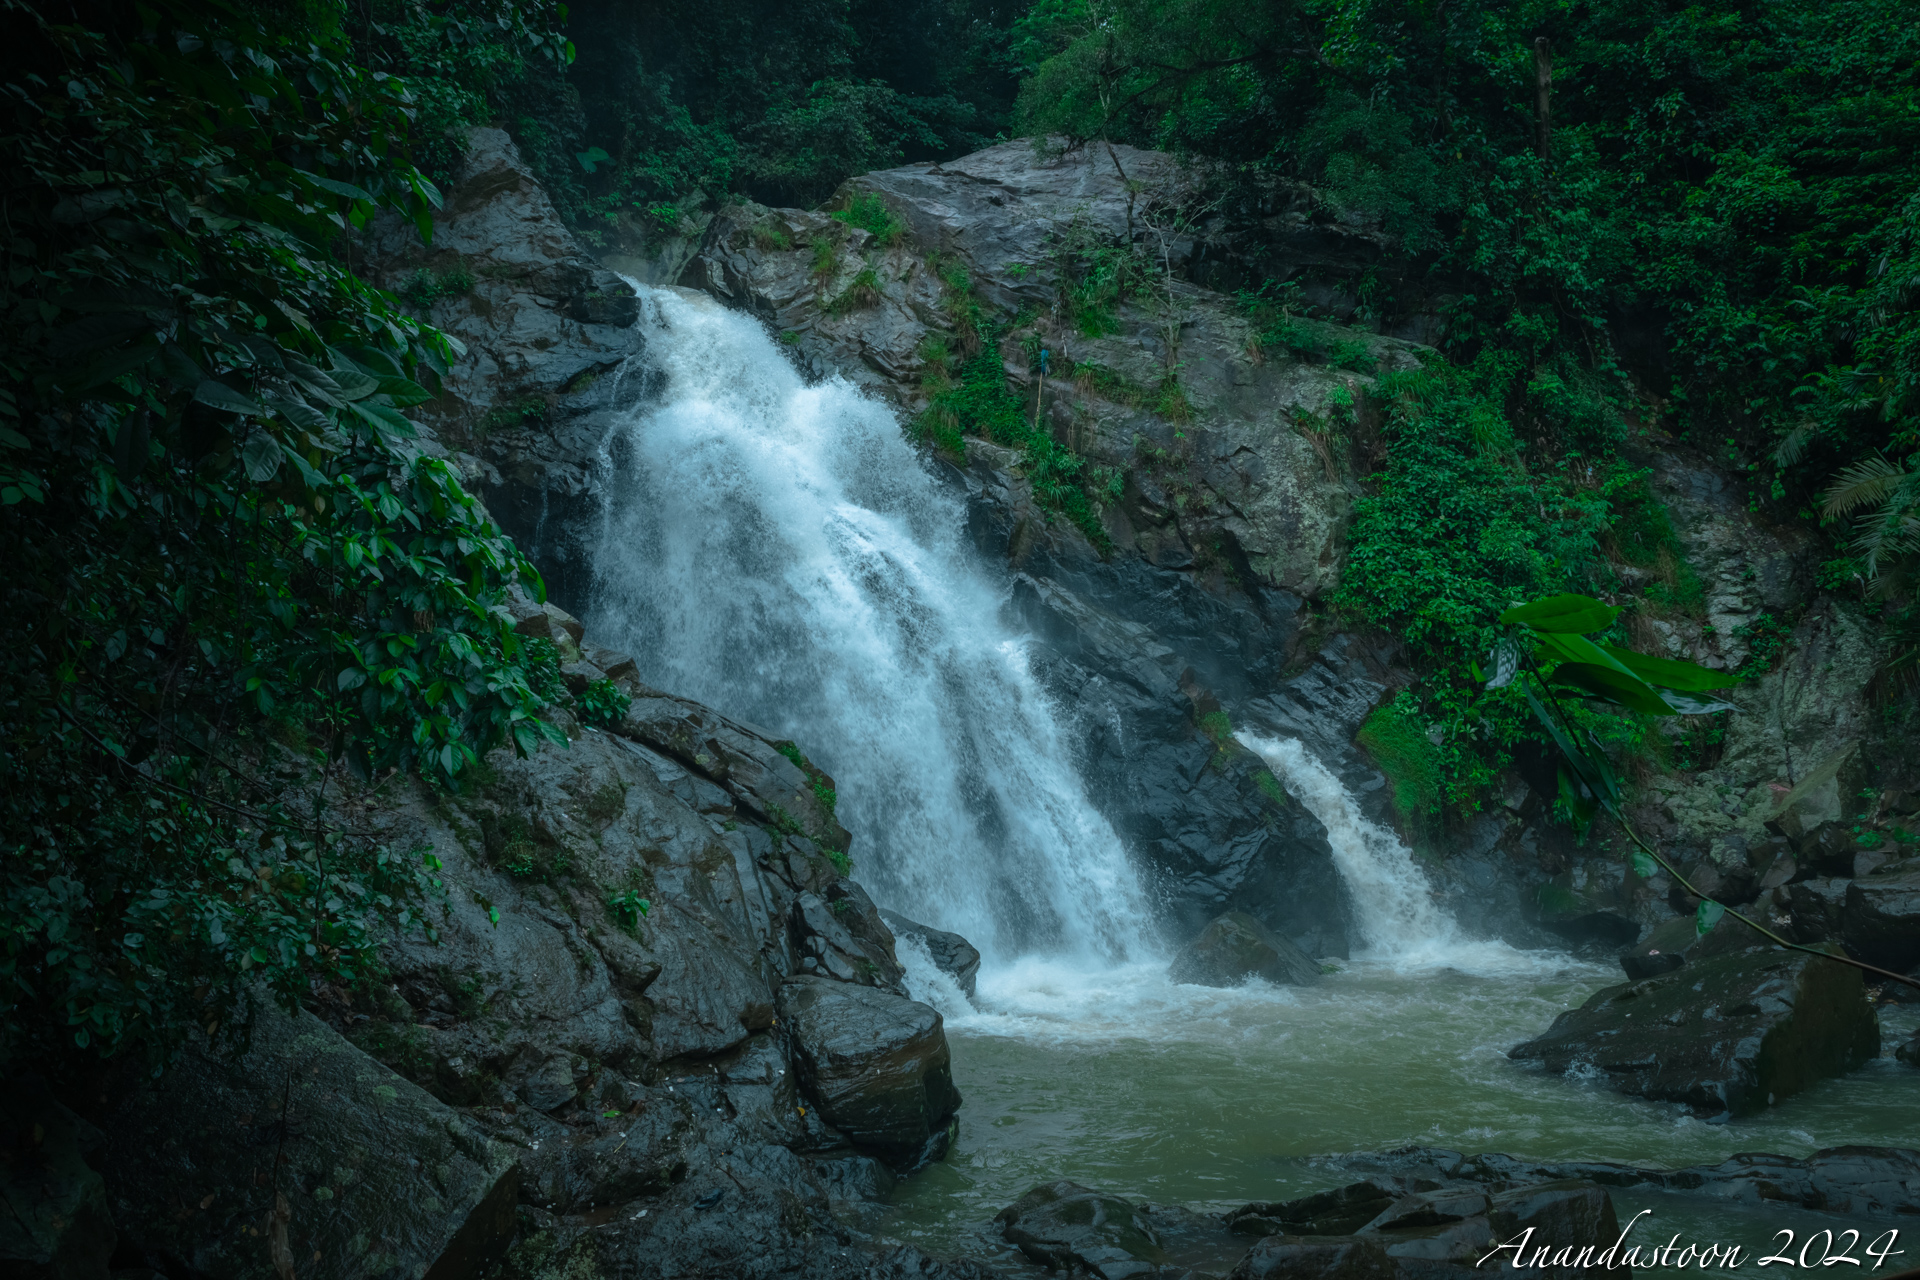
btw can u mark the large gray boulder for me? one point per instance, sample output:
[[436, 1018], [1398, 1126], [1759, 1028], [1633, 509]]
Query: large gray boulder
[[952, 954], [55, 1222], [1881, 919], [305, 1149], [1235, 947], [1064, 1226], [1726, 1036], [876, 1063]]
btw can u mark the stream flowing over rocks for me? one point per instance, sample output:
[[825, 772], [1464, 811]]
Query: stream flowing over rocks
[[908, 766]]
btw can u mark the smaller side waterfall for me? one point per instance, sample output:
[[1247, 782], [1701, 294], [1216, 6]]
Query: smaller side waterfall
[[1397, 916]]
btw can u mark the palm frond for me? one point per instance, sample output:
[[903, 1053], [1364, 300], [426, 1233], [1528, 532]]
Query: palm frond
[[1872, 481]]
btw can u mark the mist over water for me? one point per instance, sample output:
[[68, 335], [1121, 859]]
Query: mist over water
[[780, 552]]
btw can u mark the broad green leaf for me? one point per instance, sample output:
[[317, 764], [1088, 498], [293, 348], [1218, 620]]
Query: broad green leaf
[[1643, 864], [1568, 647], [1571, 614], [1707, 917], [1688, 704], [1669, 674], [219, 395], [404, 392], [383, 419], [1610, 686], [338, 188], [262, 456], [353, 384], [1578, 801], [1568, 751]]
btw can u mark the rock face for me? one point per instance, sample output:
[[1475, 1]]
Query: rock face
[[1235, 947], [952, 954], [1064, 1226], [1677, 942], [1385, 1227], [549, 336], [58, 1224], [876, 1062], [1725, 1036], [1869, 1182], [305, 1148]]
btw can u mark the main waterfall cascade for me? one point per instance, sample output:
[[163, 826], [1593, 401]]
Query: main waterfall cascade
[[779, 551]]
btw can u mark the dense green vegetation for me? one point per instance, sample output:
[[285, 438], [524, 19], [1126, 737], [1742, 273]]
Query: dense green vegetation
[[235, 582]]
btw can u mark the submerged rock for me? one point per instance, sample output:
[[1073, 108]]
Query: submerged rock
[[877, 1064], [952, 954], [1727, 1036], [57, 1223], [1235, 947], [304, 1147], [1393, 1227], [1065, 1225], [1872, 1182]]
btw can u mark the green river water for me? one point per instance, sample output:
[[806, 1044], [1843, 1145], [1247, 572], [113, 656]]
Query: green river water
[[1209, 1098]]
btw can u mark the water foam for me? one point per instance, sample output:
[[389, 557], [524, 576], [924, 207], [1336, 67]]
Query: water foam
[[779, 551]]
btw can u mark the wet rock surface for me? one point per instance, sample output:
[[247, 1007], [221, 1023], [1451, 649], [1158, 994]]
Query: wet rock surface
[[1390, 1226], [1235, 947], [876, 1062], [951, 953], [1870, 1182], [1066, 1225], [1726, 1036], [55, 1219], [303, 1147]]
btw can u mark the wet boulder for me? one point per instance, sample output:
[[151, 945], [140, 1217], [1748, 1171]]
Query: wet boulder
[[952, 954], [303, 1147], [1064, 1225], [1673, 943], [1419, 1228], [1816, 909], [876, 1063], [1881, 919], [57, 1224], [1726, 1036], [1235, 947]]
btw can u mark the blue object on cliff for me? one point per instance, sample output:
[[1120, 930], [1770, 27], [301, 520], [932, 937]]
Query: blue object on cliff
[[1044, 353]]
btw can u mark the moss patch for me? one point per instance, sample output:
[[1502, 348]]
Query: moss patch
[[1397, 742]]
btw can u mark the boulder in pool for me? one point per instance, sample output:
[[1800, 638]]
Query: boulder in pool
[[952, 954], [877, 1065], [1235, 947], [1727, 1036], [1064, 1225]]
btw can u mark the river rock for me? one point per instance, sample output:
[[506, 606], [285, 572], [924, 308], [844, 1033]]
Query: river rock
[[304, 1144], [1816, 909], [58, 1224], [1402, 1227], [1726, 1036], [876, 1063], [1871, 1182], [1235, 947], [1065, 1225], [1673, 943], [952, 954], [1909, 1052], [1881, 919]]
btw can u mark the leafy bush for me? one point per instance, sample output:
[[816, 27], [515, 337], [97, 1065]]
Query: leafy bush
[[221, 536], [603, 704], [870, 213], [1396, 740]]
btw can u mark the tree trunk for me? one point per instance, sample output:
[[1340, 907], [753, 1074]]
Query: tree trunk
[[1543, 96]]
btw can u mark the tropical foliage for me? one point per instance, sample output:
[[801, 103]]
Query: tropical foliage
[[234, 577]]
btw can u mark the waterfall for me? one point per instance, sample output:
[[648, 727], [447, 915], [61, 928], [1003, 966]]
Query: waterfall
[[780, 552], [1393, 903]]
